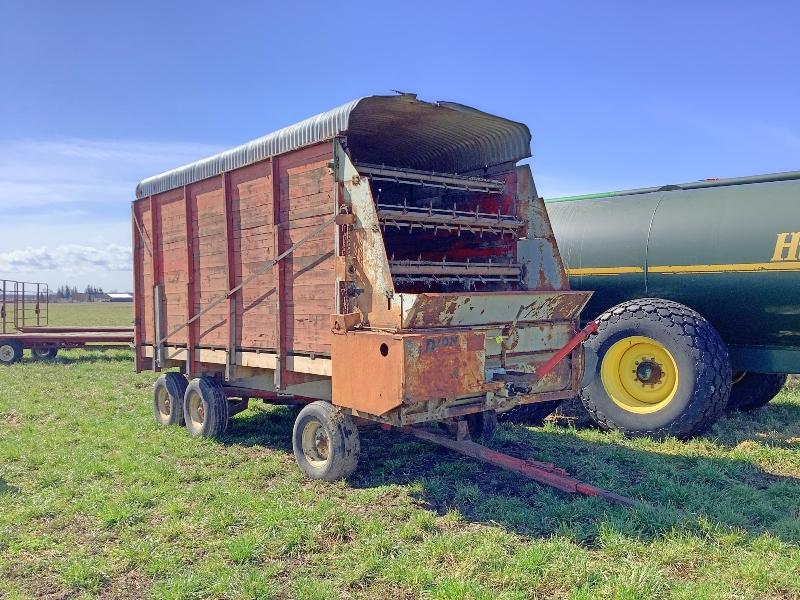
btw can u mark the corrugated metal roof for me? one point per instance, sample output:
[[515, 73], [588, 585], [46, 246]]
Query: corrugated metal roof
[[397, 130]]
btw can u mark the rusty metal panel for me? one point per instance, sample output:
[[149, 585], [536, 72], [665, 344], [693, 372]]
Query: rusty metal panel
[[538, 251], [375, 372], [482, 308], [367, 371], [369, 263], [528, 338], [443, 366]]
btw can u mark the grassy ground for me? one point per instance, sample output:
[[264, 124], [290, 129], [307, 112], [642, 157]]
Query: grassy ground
[[96, 500], [97, 313]]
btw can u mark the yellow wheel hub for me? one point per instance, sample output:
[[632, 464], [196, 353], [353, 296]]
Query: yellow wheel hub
[[639, 374]]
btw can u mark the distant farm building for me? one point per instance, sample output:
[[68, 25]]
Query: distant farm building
[[123, 297]]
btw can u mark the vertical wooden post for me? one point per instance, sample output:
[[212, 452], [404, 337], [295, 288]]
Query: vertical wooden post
[[230, 364], [155, 236], [279, 269], [191, 329], [136, 245]]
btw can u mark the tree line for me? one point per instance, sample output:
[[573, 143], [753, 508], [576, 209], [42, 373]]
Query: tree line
[[66, 292]]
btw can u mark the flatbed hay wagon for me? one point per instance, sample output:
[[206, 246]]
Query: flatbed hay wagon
[[386, 261], [24, 325]]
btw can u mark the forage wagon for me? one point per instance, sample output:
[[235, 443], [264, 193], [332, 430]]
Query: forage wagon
[[386, 261]]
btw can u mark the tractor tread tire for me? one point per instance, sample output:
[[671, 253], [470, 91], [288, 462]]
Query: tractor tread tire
[[707, 350], [755, 390]]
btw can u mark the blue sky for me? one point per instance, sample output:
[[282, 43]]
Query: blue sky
[[97, 95]]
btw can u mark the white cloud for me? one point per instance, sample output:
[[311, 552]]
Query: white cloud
[[68, 258], [65, 205]]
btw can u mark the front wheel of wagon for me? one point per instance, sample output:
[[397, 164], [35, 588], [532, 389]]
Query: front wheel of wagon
[[10, 352], [168, 393], [205, 407], [325, 442]]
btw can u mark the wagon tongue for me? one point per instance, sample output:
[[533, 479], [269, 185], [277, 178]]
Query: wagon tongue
[[422, 311]]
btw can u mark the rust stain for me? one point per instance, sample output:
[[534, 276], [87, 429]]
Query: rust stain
[[444, 366]]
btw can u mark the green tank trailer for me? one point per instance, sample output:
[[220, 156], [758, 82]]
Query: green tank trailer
[[697, 295]]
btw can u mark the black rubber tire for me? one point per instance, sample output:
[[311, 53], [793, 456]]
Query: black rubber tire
[[343, 445], [482, 425], [205, 408], [704, 372], [44, 353], [755, 390], [10, 352], [532, 414], [169, 389]]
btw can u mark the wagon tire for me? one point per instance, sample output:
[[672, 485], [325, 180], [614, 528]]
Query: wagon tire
[[44, 353], [662, 370], [168, 393], [10, 352], [205, 408], [532, 414], [325, 442], [755, 390], [482, 425]]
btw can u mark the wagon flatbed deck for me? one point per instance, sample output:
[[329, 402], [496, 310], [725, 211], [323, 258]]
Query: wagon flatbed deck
[[75, 329], [45, 343], [70, 338]]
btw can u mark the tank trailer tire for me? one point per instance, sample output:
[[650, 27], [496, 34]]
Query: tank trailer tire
[[532, 414], [168, 393], [10, 352], [325, 442], [44, 352], [205, 408], [662, 370], [755, 390], [482, 425]]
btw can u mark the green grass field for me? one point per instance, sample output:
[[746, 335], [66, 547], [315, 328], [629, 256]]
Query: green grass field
[[96, 500]]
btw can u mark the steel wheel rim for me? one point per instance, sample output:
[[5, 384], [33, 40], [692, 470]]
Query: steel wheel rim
[[41, 352], [197, 412], [639, 374], [6, 353], [316, 444], [163, 403]]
